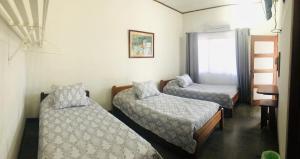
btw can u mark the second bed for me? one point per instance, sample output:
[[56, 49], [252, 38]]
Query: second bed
[[185, 123]]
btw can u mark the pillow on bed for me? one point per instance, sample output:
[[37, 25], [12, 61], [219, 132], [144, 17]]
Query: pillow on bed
[[184, 80], [145, 89], [70, 96]]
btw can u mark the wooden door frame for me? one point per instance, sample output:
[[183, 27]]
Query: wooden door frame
[[275, 55], [293, 134]]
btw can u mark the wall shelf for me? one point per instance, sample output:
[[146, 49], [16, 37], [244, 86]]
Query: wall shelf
[[27, 18]]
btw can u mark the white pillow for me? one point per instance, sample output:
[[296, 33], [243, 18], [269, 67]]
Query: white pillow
[[184, 80], [70, 96], [145, 89]]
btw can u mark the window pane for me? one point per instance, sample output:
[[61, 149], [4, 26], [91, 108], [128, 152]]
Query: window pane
[[264, 47], [263, 78], [217, 58], [263, 63]]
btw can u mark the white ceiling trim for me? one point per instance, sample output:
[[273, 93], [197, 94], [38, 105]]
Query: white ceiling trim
[[188, 6]]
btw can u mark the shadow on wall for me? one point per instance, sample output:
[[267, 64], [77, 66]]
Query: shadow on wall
[[182, 58], [32, 106]]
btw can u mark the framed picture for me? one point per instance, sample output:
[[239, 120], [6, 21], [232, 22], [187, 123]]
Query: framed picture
[[141, 44]]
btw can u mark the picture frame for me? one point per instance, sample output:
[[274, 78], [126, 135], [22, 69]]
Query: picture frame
[[140, 44]]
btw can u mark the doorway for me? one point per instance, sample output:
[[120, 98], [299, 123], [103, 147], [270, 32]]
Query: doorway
[[264, 51]]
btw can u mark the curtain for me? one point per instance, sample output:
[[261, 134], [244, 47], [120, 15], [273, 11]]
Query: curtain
[[243, 67], [192, 66]]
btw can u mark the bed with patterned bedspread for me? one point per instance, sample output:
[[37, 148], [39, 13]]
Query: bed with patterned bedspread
[[221, 94], [88, 132], [174, 119]]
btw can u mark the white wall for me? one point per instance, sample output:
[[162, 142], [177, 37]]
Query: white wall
[[239, 16], [87, 41], [12, 93], [284, 79]]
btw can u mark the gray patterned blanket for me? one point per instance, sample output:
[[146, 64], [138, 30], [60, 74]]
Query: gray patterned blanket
[[88, 132], [221, 94], [174, 119]]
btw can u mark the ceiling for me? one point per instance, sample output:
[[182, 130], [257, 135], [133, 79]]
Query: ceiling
[[191, 5]]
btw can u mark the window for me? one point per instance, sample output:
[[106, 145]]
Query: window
[[217, 58]]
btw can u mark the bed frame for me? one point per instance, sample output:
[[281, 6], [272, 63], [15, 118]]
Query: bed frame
[[228, 112], [44, 95], [200, 135]]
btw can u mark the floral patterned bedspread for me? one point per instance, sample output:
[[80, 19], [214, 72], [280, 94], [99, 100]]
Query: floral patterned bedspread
[[174, 119], [221, 94], [88, 132]]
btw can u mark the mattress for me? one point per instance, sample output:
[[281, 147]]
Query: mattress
[[174, 119], [221, 94], [88, 132]]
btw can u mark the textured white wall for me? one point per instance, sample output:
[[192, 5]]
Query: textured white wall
[[239, 16], [12, 93], [284, 79], [87, 41]]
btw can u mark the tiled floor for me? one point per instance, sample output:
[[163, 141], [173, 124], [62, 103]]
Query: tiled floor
[[241, 138]]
